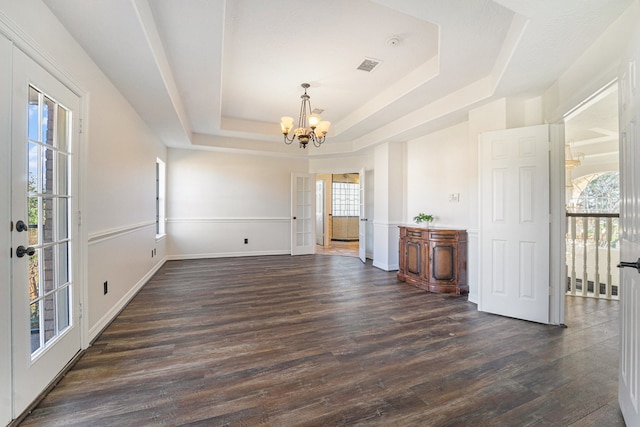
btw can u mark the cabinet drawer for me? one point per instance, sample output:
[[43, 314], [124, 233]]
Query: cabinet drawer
[[415, 233], [443, 235]]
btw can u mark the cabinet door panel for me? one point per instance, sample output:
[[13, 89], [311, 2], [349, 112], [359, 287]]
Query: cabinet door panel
[[443, 262], [414, 261]]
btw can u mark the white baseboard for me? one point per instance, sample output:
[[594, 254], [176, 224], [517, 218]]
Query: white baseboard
[[226, 255], [120, 305]]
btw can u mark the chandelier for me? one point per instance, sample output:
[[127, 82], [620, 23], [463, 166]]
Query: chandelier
[[310, 127], [571, 159]]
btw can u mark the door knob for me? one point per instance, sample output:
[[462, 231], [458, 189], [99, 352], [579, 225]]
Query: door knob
[[21, 226], [635, 265], [22, 251]]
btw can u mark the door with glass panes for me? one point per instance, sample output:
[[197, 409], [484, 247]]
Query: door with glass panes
[[45, 296]]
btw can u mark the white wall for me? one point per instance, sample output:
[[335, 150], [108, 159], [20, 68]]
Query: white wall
[[439, 165], [117, 161], [389, 202], [218, 199], [446, 163]]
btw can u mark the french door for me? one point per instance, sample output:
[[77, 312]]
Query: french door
[[303, 211], [45, 297]]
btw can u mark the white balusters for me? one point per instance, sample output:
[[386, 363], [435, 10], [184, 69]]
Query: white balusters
[[588, 248]]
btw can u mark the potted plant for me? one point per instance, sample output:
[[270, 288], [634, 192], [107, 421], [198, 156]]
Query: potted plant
[[422, 217]]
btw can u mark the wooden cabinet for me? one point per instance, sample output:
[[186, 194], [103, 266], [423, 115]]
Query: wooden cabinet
[[434, 259]]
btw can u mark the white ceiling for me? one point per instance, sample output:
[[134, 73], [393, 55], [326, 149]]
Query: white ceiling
[[221, 72]]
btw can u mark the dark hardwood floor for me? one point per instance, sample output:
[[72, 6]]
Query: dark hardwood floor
[[328, 341]]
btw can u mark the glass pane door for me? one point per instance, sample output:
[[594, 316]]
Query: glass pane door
[[48, 219], [303, 240], [45, 299]]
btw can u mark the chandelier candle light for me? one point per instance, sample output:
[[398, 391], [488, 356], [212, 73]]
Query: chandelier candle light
[[310, 127]]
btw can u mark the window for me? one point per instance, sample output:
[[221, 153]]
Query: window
[[599, 192], [346, 199], [160, 197]]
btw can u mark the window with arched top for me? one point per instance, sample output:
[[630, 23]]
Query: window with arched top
[[599, 192]]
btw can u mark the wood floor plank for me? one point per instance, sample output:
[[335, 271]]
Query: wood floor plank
[[329, 341]]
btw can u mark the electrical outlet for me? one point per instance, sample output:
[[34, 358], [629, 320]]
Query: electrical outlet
[[105, 287], [454, 197]]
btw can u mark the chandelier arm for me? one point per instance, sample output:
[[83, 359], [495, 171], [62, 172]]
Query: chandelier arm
[[287, 140], [318, 141]]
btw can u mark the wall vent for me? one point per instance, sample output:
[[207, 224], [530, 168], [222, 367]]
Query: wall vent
[[369, 64]]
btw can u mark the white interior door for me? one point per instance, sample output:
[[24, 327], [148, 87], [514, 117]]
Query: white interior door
[[45, 298], [362, 228], [5, 233], [629, 366], [514, 223], [303, 198]]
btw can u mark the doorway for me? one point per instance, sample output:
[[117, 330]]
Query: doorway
[[339, 217], [592, 196]]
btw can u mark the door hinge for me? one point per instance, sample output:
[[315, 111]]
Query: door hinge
[[79, 218], [80, 125]]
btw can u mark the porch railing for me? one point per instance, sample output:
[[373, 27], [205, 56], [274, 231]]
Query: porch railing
[[592, 255]]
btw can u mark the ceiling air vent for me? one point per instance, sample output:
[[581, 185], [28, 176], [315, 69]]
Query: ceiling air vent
[[369, 64]]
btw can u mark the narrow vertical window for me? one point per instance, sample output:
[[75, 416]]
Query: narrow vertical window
[[160, 197]]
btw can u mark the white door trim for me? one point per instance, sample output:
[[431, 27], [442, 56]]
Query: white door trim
[[558, 226], [6, 390], [362, 224]]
